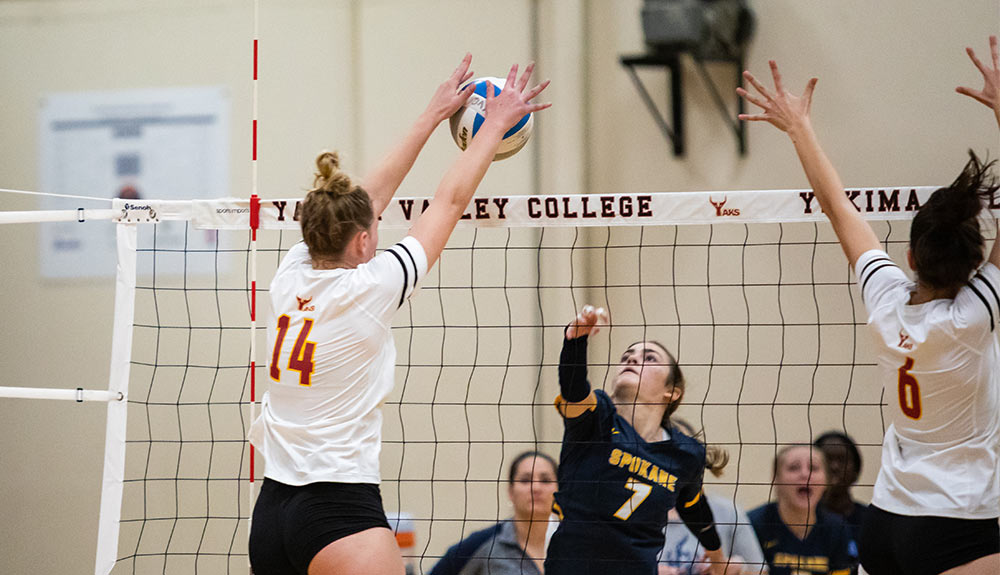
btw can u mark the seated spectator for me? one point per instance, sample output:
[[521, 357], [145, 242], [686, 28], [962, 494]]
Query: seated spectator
[[682, 555], [795, 535], [516, 545], [843, 464], [459, 554]]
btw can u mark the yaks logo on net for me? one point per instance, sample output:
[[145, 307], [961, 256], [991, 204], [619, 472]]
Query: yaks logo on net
[[720, 210]]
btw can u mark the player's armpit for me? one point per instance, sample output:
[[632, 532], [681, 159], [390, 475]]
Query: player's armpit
[[571, 409]]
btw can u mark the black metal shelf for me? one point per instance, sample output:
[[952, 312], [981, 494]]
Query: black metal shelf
[[671, 60]]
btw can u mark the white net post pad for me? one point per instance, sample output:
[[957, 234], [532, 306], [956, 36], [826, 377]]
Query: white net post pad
[[114, 444]]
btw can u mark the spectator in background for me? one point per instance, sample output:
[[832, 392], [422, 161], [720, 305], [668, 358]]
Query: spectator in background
[[795, 535], [514, 546], [455, 558], [682, 555], [843, 466]]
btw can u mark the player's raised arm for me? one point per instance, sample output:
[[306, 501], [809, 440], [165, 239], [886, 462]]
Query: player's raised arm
[[574, 388], [989, 96], [455, 191], [383, 181], [791, 114]]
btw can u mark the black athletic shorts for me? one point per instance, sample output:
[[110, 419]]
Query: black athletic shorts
[[894, 544], [292, 524]]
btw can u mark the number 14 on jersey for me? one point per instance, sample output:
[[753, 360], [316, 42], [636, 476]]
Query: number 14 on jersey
[[301, 358]]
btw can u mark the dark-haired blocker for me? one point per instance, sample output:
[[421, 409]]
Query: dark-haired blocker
[[937, 496]]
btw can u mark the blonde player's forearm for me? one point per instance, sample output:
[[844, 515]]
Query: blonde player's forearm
[[382, 183], [503, 110], [455, 191], [460, 182], [385, 179]]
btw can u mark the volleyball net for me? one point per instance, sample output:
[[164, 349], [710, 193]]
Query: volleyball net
[[749, 289]]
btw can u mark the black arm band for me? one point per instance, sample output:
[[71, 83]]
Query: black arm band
[[573, 384], [701, 522]]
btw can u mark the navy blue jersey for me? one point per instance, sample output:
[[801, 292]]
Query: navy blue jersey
[[855, 519], [459, 554], [828, 549], [615, 490]]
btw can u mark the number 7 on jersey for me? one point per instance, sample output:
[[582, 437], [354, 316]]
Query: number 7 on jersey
[[640, 491]]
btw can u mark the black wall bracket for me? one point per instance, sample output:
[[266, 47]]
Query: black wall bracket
[[671, 60]]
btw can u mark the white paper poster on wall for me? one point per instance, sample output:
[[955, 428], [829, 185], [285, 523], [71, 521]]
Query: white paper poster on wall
[[169, 144]]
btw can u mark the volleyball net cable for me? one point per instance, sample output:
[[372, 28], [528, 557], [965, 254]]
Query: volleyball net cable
[[749, 288]]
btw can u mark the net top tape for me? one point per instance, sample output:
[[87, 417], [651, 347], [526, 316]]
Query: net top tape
[[665, 208], [638, 209]]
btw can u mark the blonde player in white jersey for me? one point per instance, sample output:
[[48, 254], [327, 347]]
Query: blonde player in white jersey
[[319, 510], [937, 496]]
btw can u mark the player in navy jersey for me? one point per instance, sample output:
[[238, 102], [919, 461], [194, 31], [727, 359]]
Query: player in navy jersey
[[796, 535], [937, 497], [623, 466]]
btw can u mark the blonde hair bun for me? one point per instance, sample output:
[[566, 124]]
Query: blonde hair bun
[[329, 177]]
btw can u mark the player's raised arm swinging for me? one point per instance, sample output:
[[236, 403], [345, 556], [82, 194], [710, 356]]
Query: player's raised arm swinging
[[574, 387]]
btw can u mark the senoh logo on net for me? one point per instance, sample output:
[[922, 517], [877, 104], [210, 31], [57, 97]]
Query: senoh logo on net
[[720, 210]]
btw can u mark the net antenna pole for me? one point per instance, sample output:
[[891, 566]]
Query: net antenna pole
[[254, 224], [114, 442]]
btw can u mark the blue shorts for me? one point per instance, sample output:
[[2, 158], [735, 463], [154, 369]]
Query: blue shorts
[[291, 524]]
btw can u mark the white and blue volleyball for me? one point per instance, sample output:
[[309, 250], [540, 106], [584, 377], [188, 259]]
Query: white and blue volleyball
[[470, 117]]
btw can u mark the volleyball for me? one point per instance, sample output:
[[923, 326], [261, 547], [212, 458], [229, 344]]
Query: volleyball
[[468, 119]]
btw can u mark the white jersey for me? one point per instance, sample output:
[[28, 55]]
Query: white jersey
[[938, 362], [332, 361]]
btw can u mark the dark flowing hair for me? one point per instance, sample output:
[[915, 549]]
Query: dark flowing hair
[[945, 238], [837, 437]]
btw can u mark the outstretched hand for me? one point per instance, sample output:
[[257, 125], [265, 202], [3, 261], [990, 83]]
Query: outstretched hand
[[990, 94], [508, 107], [782, 109], [589, 321], [449, 97]]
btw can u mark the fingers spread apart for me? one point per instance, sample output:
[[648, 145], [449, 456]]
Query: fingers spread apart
[[522, 83], [757, 85]]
